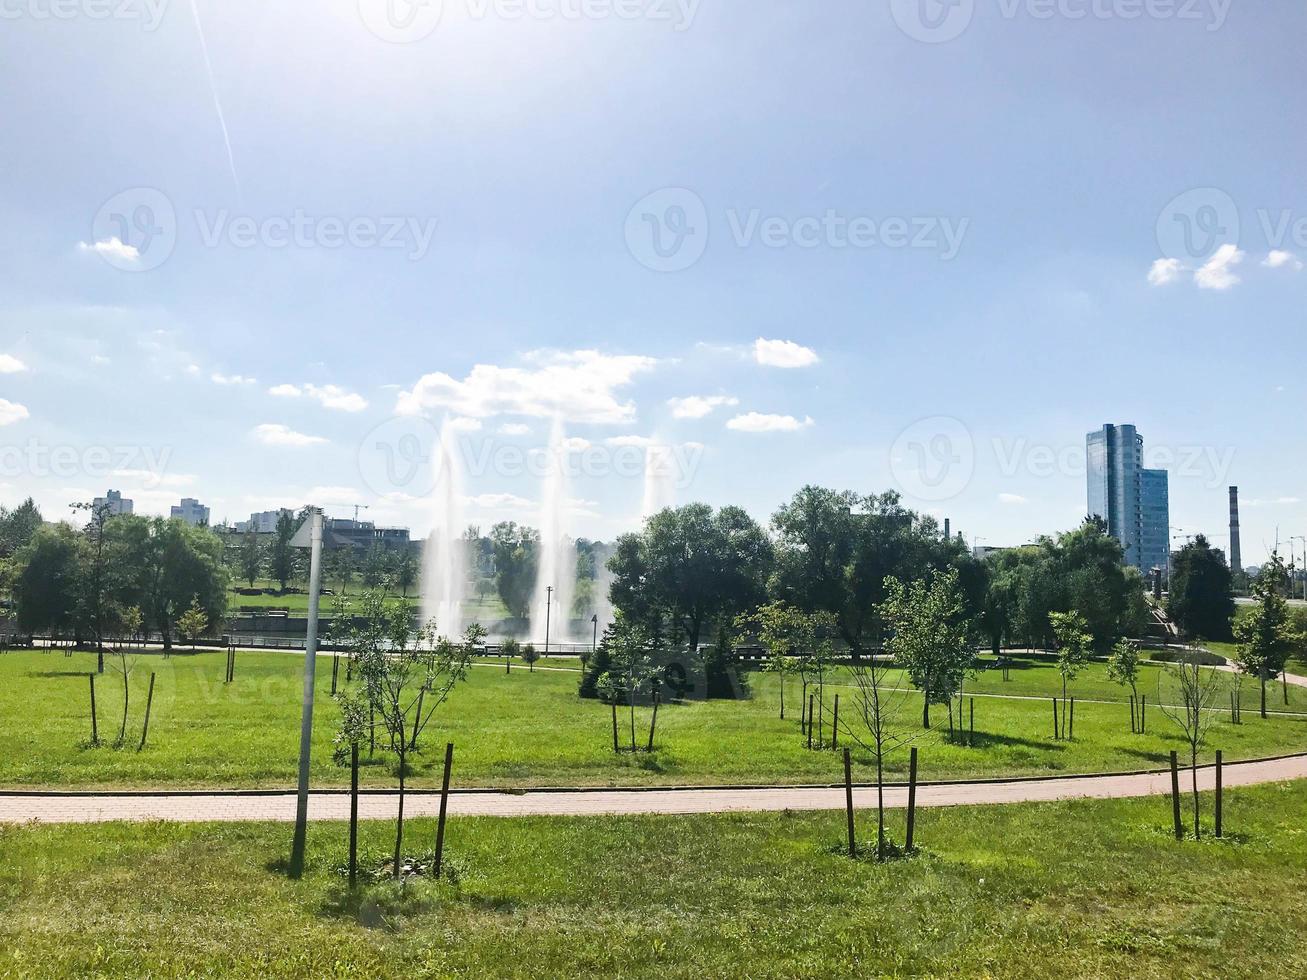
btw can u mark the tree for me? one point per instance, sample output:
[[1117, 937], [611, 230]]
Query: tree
[[405, 674], [1264, 638], [514, 547], [281, 559], [691, 567], [631, 675], [1201, 599], [94, 581], [1073, 647], [18, 527], [930, 636], [166, 564], [406, 570], [836, 550], [48, 585], [376, 566], [251, 557], [530, 654], [777, 626], [877, 705], [193, 622], [1186, 693], [1123, 668]]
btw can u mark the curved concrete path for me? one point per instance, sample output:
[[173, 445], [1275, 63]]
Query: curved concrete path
[[280, 806]]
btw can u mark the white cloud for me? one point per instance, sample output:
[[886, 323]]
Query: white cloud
[[275, 434], [230, 379], [698, 406], [575, 444], [328, 396], [1218, 271], [11, 365], [1279, 259], [113, 248], [640, 442], [500, 501], [514, 429], [461, 423], [783, 354], [11, 412], [1272, 502], [757, 422], [1012, 498], [580, 386], [1165, 271]]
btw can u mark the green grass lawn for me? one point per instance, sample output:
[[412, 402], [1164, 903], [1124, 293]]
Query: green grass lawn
[[530, 729], [487, 610], [1076, 889]]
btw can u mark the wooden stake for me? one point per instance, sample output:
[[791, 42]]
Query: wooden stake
[[444, 800], [1055, 733], [1143, 713], [95, 729], [971, 737], [1218, 792], [835, 725], [652, 722], [1071, 730], [615, 748], [353, 814], [1175, 797], [810, 721], [848, 802], [1133, 723], [335, 671], [912, 795], [149, 700]]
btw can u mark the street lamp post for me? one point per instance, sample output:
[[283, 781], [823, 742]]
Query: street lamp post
[[306, 713], [549, 608], [594, 643]]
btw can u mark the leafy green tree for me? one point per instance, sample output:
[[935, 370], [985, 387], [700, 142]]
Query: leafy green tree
[[251, 557], [778, 627], [929, 635], [281, 558], [836, 550], [18, 527], [1265, 637], [631, 675], [691, 568], [405, 674], [377, 566], [95, 578], [1123, 668], [515, 548], [406, 570], [48, 587], [1201, 599], [166, 564], [530, 655], [1073, 649], [193, 622]]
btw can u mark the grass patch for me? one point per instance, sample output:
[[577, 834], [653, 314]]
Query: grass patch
[[530, 729], [1075, 889]]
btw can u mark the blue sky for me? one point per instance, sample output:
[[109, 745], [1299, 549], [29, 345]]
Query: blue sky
[[960, 253]]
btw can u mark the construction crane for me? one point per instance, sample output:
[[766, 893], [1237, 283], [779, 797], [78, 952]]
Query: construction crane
[[357, 508]]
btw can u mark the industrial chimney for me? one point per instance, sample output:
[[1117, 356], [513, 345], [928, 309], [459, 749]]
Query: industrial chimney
[[1236, 561]]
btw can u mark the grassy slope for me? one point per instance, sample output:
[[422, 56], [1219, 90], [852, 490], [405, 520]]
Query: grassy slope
[[1076, 889], [531, 729]]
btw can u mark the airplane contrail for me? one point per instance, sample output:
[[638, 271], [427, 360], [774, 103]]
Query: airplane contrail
[[217, 103]]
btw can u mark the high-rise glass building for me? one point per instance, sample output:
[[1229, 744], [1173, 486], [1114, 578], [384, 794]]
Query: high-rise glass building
[[1134, 501]]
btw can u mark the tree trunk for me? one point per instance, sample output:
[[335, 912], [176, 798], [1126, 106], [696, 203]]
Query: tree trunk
[[122, 730], [782, 697], [1193, 769], [399, 824], [925, 710], [880, 805], [1263, 679]]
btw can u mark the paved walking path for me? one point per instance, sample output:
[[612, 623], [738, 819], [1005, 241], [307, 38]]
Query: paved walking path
[[279, 806]]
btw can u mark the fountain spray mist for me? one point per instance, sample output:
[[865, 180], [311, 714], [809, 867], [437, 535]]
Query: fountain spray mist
[[660, 472], [557, 561], [444, 561]]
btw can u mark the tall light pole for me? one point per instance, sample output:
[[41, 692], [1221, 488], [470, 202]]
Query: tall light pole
[[594, 621], [549, 608], [314, 524], [1303, 539]]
